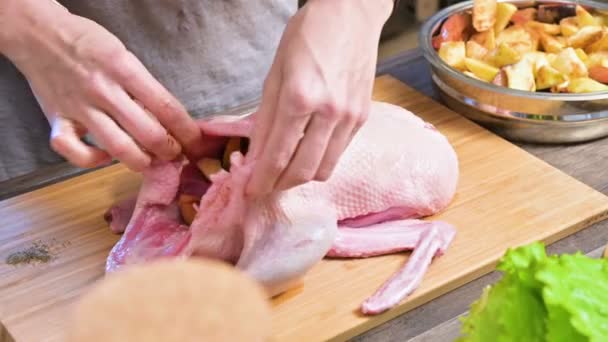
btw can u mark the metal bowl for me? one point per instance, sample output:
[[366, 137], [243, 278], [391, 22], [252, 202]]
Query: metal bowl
[[515, 114]]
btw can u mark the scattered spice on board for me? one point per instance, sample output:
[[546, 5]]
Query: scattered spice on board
[[38, 252]]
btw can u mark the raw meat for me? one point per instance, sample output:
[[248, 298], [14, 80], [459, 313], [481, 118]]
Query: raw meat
[[396, 170]]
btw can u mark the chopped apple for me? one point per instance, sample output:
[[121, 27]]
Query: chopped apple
[[186, 205], [585, 85], [561, 88], [569, 64], [584, 18], [472, 75], [485, 39], [599, 73], [551, 29], [585, 36], [582, 55], [550, 43], [453, 54], [598, 67], [209, 166], [484, 14], [604, 17], [597, 58], [534, 38], [481, 69], [524, 15], [505, 55], [504, 12], [568, 26], [548, 77], [476, 51], [537, 59], [521, 75], [516, 37], [551, 57], [455, 29], [563, 40], [501, 78], [233, 145], [600, 45]]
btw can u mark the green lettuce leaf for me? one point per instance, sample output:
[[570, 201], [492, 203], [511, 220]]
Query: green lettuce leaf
[[542, 298], [577, 286]]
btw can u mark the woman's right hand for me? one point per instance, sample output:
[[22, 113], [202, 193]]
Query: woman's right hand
[[86, 81]]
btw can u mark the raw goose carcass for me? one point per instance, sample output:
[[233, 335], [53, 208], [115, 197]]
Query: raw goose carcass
[[396, 170]]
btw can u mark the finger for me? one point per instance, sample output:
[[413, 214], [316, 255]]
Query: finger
[[341, 137], [142, 126], [265, 114], [353, 118], [115, 141], [65, 140], [309, 154], [138, 82], [287, 129]]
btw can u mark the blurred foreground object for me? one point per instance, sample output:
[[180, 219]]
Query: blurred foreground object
[[176, 300], [5, 336]]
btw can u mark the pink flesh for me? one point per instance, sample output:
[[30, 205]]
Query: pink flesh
[[397, 167], [383, 216], [155, 232], [217, 229], [155, 228], [406, 280], [192, 182], [118, 216], [427, 239], [385, 238]]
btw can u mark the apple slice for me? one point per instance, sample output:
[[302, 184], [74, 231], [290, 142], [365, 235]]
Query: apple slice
[[569, 63], [186, 205], [453, 54], [520, 75], [547, 77], [209, 166], [586, 36], [234, 144], [524, 15], [482, 70], [585, 85], [484, 14], [584, 18], [504, 12], [568, 26], [599, 73]]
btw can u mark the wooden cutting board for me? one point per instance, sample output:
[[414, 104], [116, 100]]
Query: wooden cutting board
[[505, 198]]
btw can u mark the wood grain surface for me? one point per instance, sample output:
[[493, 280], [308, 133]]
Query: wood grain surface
[[506, 198]]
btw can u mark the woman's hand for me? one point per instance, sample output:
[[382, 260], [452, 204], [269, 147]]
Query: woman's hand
[[318, 92], [86, 81]]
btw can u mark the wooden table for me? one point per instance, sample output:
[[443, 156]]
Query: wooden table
[[438, 319]]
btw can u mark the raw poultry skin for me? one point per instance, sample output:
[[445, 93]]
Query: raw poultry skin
[[396, 170]]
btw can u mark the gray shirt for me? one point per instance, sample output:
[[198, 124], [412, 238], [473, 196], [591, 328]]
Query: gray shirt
[[211, 54]]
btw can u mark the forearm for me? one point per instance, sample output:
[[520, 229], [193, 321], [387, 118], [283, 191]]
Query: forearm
[[377, 11], [24, 22], [373, 13]]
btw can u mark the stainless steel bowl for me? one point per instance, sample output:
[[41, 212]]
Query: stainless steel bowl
[[515, 114]]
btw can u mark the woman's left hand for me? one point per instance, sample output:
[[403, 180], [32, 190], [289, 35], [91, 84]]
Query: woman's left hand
[[317, 93]]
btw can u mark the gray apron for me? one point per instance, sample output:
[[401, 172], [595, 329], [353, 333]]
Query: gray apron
[[211, 54]]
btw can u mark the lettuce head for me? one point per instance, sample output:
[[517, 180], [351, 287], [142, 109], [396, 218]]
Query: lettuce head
[[542, 298]]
